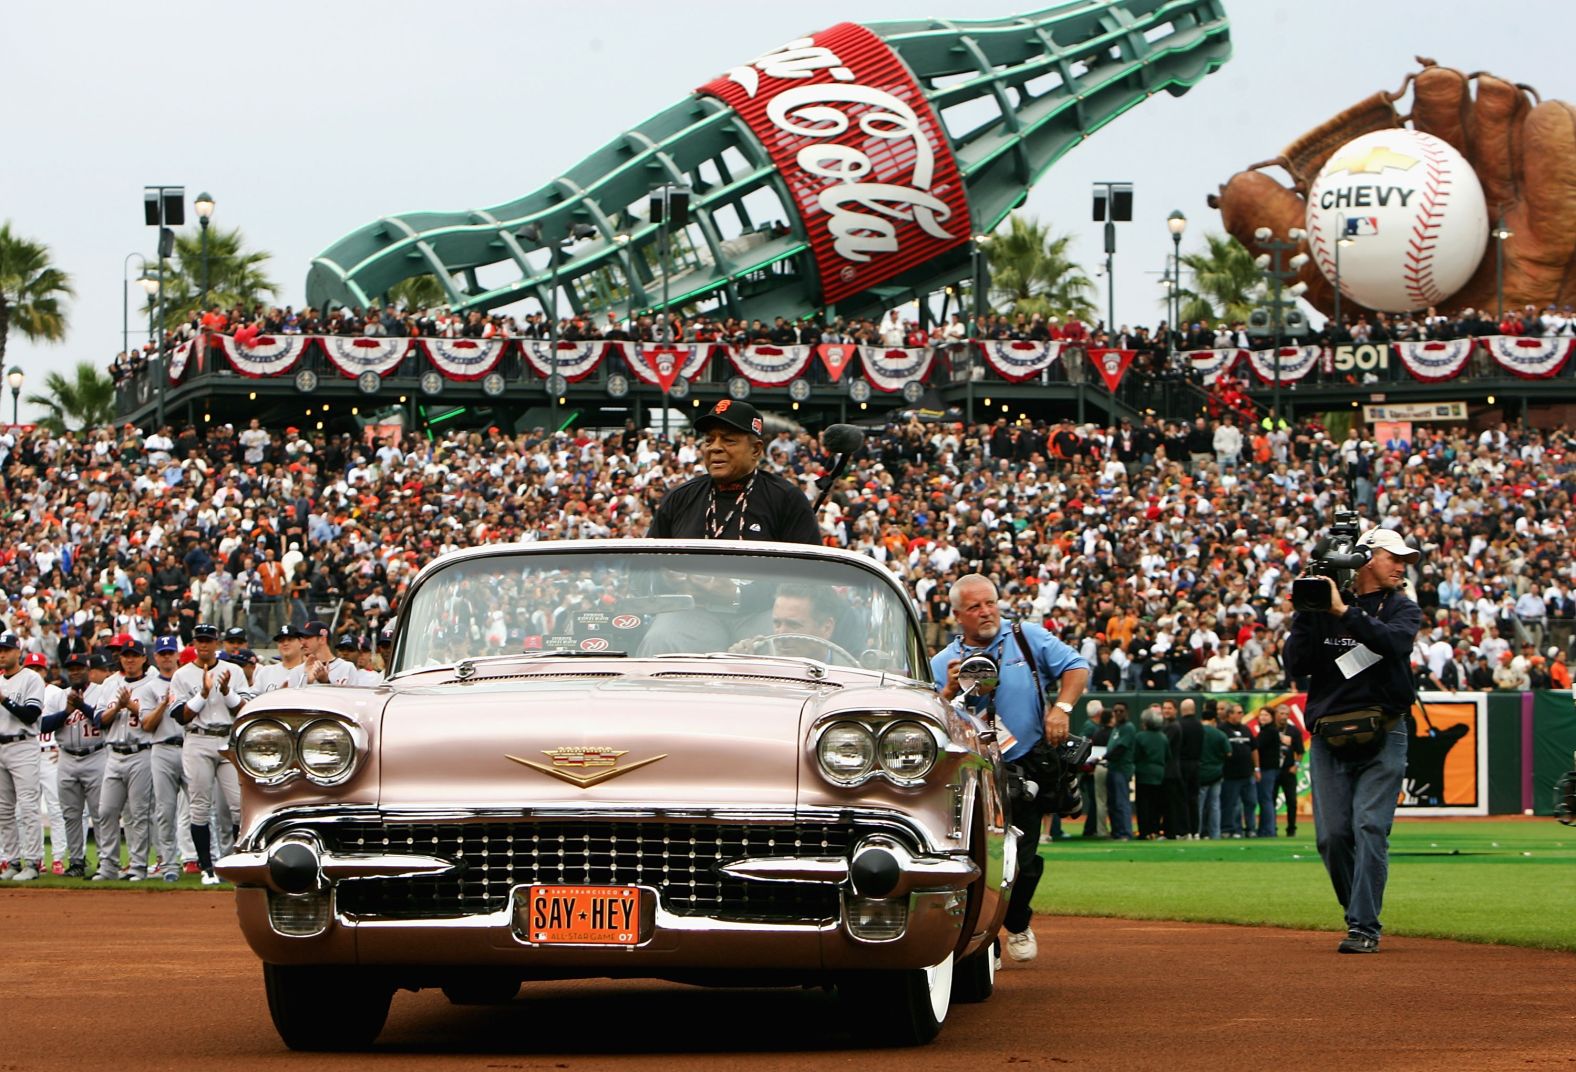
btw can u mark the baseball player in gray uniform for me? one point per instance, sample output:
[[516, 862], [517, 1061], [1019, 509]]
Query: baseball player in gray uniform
[[81, 767], [21, 706], [324, 667], [49, 759], [290, 672], [204, 697], [166, 768], [127, 790]]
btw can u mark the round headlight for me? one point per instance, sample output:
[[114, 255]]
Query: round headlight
[[265, 748], [908, 750], [327, 749], [846, 751]]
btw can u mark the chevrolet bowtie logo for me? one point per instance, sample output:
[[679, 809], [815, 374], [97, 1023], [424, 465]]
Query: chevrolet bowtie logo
[[565, 759], [1375, 161]]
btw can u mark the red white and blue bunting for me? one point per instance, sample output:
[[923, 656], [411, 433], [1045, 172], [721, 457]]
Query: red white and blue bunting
[[268, 355], [771, 366], [1530, 358], [1016, 360], [1213, 364], [1434, 362], [889, 369], [695, 355], [464, 359], [355, 354], [576, 360], [178, 359], [1295, 362]]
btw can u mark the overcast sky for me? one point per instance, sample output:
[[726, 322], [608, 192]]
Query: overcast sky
[[308, 120]]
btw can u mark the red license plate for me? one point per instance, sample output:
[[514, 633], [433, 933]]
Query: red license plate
[[582, 915]]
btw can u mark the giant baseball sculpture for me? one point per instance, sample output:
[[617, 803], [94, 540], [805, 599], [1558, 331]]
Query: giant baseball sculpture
[[1417, 193]]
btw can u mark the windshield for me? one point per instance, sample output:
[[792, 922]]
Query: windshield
[[646, 604]]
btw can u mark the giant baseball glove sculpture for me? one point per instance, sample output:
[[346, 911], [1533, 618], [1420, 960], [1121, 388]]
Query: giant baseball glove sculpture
[[1523, 150]]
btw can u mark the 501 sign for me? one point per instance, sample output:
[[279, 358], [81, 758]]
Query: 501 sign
[[1363, 357]]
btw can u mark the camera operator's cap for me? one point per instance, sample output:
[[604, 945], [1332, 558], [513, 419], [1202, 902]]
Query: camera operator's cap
[[740, 416], [1378, 539], [166, 643]]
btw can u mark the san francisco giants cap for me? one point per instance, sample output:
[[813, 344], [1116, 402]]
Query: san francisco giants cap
[[740, 416]]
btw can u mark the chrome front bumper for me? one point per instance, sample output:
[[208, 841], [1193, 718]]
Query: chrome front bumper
[[277, 877]]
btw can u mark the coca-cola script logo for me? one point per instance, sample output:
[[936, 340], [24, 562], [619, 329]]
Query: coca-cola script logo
[[861, 150]]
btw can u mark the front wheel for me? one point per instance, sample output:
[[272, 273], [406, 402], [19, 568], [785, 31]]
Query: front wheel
[[974, 978], [326, 1007], [899, 1008]]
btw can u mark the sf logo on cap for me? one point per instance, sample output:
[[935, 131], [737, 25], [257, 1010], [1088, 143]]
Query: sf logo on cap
[[722, 407]]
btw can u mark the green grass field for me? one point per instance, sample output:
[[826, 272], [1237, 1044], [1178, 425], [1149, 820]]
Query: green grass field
[[1510, 882], [1502, 881]]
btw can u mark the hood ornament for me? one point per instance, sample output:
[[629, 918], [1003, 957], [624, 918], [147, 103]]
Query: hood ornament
[[601, 762], [465, 670]]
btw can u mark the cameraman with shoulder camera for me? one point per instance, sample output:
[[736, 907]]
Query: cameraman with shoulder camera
[[1039, 680], [1355, 646]]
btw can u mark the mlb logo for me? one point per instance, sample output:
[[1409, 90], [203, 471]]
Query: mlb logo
[[1361, 226]]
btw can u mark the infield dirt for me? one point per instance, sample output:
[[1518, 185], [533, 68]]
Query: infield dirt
[[123, 980]]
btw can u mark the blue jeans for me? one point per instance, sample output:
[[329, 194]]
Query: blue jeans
[[1120, 803], [1209, 810], [1264, 789], [1236, 805], [1353, 809]]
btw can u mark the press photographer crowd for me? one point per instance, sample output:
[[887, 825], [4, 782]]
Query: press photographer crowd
[[1162, 555]]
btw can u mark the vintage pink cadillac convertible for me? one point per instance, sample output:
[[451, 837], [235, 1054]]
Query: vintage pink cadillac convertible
[[720, 763]]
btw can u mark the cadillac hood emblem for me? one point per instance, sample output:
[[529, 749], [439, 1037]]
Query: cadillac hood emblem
[[598, 764]]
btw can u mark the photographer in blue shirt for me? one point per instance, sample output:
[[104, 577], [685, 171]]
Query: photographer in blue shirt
[[1025, 713]]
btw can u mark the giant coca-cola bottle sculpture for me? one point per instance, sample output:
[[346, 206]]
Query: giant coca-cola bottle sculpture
[[847, 168]]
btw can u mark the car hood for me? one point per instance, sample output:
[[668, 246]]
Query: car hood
[[669, 738]]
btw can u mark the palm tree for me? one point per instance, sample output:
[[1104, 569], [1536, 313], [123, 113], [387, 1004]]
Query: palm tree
[[417, 293], [1031, 272], [1224, 280], [87, 400], [236, 275], [31, 291]]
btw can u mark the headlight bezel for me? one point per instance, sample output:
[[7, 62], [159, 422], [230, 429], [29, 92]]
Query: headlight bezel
[[286, 770], [333, 777], [861, 732], [906, 725], [876, 725], [296, 723]]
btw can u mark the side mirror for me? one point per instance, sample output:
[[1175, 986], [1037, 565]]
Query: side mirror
[[977, 672]]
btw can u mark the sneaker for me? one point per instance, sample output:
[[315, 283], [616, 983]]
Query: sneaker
[[27, 873], [171, 875], [1022, 946], [99, 876], [190, 868], [210, 879], [136, 878], [7, 869], [76, 871], [1358, 943], [58, 867]]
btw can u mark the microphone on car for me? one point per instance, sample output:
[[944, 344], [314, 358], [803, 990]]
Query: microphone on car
[[844, 440]]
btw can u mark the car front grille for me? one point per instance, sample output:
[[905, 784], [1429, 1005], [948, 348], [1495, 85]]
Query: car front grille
[[681, 860]]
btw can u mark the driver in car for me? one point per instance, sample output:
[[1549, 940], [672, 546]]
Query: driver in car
[[803, 621]]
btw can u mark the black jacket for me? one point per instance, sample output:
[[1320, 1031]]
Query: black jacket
[[776, 511], [1386, 623], [1240, 763]]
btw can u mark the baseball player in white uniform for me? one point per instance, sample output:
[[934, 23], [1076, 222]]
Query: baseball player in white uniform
[[333, 670], [80, 769], [49, 759], [165, 768], [290, 672], [205, 696], [21, 706], [127, 789]]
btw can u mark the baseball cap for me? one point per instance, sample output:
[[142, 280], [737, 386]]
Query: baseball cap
[[75, 658], [290, 631], [10, 640], [235, 633], [134, 647], [314, 628], [35, 659], [740, 416], [245, 655], [166, 643], [1387, 540], [205, 631], [119, 640], [96, 662], [386, 638], [348, 640]]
